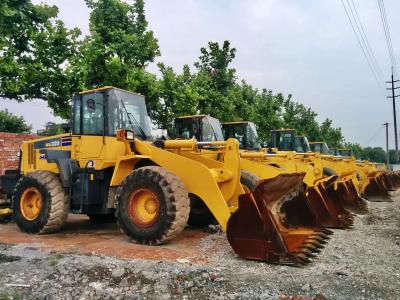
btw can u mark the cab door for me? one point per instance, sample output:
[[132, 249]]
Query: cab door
[[89, 125]]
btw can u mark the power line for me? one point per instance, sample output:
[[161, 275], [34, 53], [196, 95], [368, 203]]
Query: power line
[[364, 38], [379, 83], [375, 134], [386, 30]]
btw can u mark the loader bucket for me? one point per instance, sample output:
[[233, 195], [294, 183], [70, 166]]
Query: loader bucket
[[395, 178], [387, 182], [325, 202], [347, 195], [274, 223], [375, 191]]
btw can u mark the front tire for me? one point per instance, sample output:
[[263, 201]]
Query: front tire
[[152, 205], [40, 204]]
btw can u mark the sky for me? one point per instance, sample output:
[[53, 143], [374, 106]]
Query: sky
[[298, 47]]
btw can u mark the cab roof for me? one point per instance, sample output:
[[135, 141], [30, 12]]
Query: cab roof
[[107, 87], [191, 116], [237, 122], [284, 129]]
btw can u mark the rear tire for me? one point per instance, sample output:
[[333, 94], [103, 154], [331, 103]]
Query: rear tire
[[152, 205], [249, 180], [52, 204]]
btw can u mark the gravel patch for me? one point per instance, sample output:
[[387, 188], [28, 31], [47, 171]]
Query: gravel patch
[[362, 263]]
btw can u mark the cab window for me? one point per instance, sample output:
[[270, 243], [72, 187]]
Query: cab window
[[93, 114]]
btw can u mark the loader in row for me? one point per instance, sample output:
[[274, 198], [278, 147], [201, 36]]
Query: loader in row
[[372, 184], [109, 167], [322, 199]]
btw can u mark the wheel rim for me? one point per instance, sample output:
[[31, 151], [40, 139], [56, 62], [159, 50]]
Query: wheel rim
[[31, 203], [143, 207]]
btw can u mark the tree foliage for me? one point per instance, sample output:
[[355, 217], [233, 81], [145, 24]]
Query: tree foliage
[[41, 58], [34, 46], [51, 128], [12, 123]]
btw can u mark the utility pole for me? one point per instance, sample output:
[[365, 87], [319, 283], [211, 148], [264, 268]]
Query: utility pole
[[394, 115], [387, 144]]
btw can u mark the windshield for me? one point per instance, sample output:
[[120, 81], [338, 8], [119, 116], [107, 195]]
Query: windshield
[[128, 111], [214, 131], [202, 128], [299, 145], [252, 137], [283, 140], [235, 131], [345, 152], [187, 128], [302, 144], [320, 147]]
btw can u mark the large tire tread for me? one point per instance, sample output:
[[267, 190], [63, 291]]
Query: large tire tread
[[58, 210], [173, 189]]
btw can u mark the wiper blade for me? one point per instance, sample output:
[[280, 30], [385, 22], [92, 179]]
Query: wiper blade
[[137, 124]]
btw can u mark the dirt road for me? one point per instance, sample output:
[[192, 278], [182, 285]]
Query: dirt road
[[89, 261]]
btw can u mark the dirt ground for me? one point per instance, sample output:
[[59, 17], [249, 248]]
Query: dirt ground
[[88, 261]]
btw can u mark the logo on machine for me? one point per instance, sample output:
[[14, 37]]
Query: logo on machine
[[55, 143], [47, 143]]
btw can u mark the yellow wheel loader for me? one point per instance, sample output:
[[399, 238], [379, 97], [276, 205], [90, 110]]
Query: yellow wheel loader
[[206, 128], [339, 198], [371, 183], [109, 167]]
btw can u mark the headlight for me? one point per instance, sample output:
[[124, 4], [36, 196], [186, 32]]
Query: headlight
[[129, 135]]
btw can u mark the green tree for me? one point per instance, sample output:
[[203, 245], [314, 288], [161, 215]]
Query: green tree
[[357, 149], [301, 118], [12, 123], [392, 156], [177, 96], [332, 136], [34, 47], [214, 79], [376, 154], [51, 128], [117, 50], [268, 114]]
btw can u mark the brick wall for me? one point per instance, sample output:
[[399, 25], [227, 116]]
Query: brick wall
[[9, 152], [9, 149]]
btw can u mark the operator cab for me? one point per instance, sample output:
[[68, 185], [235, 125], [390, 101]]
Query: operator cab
[[102, 111], [203, 128], [245, 132], [345, 152], [320, 147], [284, 140], [288, 140], [302, 144]]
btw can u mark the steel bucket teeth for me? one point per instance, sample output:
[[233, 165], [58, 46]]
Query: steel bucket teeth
[[328, 232], [326, 204], [374, 191], [275, 224], [302, 258], [349, 198], [312, 248], [315, 243]]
